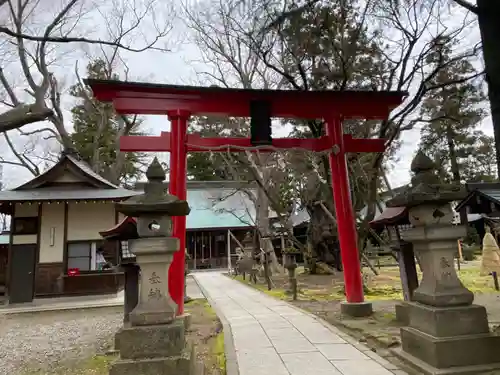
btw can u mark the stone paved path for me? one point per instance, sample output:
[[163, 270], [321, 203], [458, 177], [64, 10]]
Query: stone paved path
[[272, 337]]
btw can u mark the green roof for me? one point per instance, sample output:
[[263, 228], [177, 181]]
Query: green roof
[[219, 208]]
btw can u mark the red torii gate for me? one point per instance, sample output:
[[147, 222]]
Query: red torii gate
[[180, 102]]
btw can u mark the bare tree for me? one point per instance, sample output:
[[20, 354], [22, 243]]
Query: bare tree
[[235, 64], [38, 42]]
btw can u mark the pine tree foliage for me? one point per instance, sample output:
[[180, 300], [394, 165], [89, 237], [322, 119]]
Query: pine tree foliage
[[451, 116], [329, 46], [97, 129], [213, 166]]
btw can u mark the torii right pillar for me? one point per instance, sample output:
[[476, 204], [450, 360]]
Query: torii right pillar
[[355, 305]]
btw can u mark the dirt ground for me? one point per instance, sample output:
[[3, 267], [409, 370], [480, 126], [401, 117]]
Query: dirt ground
[[322, 294], [76, 342]]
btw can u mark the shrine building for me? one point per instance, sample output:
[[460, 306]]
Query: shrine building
[[64, 222]]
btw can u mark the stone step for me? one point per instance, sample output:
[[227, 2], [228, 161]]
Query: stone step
[[181, 365], [446, 352]]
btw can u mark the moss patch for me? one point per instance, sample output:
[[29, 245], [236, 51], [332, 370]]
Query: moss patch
[[206, 332], [382, 287], [96, 365], [219, 353], [472, 279]]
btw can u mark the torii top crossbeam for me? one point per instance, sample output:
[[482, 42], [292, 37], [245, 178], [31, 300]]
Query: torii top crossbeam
[[158, 99]]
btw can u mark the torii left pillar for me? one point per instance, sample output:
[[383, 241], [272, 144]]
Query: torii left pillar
[[177, 187]]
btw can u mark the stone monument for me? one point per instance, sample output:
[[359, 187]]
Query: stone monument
[[447, 333], [154, 340]]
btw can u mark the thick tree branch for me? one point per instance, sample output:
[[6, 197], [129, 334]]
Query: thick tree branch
[[470, 7], [70, 39], [23, 115]]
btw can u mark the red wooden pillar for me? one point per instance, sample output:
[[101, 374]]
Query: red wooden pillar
[[345, 214], [177, 187]]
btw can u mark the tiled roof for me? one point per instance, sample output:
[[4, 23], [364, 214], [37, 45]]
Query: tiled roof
[[86, 169], [485, 190], [58, 194]]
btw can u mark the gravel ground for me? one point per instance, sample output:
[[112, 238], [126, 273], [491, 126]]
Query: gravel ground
[[45, 339]]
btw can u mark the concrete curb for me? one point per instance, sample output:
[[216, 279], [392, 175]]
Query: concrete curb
[[42, 309], [229, 349]]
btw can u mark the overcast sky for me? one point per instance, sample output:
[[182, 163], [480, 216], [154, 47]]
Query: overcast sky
[[180, 67]]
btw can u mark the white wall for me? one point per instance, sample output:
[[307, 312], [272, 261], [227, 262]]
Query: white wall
[[24, 239], [86, 220], [52, 249], [25, 210]]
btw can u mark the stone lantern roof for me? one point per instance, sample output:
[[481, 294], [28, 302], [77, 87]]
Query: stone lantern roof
[[426, 187]]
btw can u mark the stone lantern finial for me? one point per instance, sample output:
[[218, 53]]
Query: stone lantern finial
[[155, 171], [422, 163], [155, 207]]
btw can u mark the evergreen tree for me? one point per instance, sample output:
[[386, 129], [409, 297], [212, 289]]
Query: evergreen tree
[[97, 129], [451, 115], [213, 166]]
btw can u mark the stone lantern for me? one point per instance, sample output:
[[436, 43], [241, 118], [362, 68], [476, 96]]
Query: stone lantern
[[154, 343], [248, 244], [446, 332], [291, 266]]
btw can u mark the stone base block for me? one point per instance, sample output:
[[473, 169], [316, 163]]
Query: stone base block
[[152, 341], [117, 339], [155, 366], [139, 317], [426, 369], [183, 364], [447, 352], [448, 321], [402, 313], [187, 320], [356, 310]]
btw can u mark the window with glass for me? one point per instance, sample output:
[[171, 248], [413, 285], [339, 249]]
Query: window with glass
[[80, 255], [25, 225]]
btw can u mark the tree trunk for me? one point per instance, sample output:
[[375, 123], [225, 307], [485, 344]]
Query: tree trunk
[[455, 171], [263, 225], [488, 16], [322, 234]]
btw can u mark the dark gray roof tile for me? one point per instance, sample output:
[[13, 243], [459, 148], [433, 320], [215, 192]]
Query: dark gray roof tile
[[64, 194]]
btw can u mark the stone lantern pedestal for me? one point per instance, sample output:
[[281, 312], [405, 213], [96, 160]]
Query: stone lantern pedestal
[[154, 343], [447, 333]]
